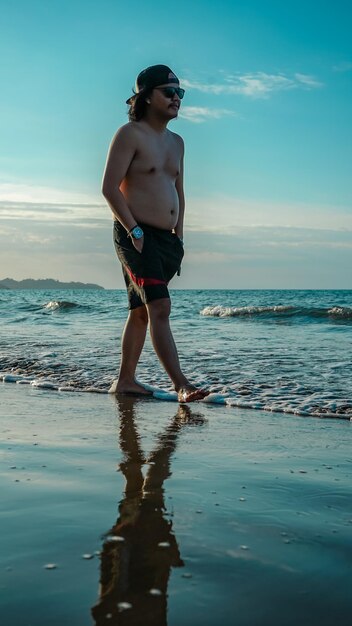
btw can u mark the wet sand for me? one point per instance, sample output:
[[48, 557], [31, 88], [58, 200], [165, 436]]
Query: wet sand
[[151, 514]]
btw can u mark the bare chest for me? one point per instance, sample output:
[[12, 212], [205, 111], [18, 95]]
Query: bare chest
[[156, 158]]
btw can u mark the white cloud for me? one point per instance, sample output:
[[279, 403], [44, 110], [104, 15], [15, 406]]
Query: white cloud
[[228, 214], [39, 204], [83, 214], [198, 115], [23, 192], [33, 238], [305, 79], [344, 66], [254, 85]]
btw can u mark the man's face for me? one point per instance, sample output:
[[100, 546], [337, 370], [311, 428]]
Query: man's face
[[164, 101]]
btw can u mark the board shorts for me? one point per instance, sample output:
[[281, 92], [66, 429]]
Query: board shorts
[[148, 273]]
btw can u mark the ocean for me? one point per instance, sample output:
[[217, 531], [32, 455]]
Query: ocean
[[278, 350]]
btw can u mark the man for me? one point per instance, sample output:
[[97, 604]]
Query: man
[[143, 185]]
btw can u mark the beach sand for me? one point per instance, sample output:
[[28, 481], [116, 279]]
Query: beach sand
[[152, 514]]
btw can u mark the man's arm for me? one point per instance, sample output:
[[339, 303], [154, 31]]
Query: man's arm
[[181, 195], [120, 156]]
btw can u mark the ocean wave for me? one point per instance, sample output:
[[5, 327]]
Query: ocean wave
[[340, 312], [48, 307], [61, 305], [336, 313], [228, 311]]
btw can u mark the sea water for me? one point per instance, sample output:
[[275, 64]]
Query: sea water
[[278, 350]]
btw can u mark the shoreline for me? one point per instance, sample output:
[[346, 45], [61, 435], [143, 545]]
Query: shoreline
[[342, 409]]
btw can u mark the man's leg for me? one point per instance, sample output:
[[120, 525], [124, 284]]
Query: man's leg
[[131, 347], [165, 348]]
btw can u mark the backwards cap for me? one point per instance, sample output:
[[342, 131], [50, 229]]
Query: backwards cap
[[151, 77]]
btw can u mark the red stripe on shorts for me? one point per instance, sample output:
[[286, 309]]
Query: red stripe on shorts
[[144, 282]]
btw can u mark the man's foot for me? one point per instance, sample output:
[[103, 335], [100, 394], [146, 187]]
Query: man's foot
[[130, 389], [191, 394]]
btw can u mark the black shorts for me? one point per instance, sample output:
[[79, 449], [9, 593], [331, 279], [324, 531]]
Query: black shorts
[[148, 273]]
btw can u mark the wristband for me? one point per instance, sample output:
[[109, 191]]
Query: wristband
[[136, 232]]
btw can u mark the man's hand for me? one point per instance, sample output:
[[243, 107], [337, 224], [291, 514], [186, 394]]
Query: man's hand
[[138, 244]]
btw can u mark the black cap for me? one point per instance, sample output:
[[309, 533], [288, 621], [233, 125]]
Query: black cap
[[151, 77]]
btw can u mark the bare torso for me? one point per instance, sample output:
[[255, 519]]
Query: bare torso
[[149, 185]]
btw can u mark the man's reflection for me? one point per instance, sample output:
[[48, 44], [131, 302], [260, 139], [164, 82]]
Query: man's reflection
[[140, 549]]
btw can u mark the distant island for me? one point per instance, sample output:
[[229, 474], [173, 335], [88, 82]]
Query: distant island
[[44, 283]]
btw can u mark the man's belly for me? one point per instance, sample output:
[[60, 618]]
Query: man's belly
[[158, 206]]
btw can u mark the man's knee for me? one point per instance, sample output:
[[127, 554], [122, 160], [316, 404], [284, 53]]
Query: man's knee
[[139, 315], [159, 309]]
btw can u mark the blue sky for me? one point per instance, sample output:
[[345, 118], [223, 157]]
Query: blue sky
[[266, 120]]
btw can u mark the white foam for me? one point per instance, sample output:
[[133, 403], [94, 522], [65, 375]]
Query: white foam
[[228, 311], [113, 387], [52, 305], [44, 384], [215, 398]]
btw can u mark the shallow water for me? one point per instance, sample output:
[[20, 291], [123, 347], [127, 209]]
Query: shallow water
[[278, 350], [190, 516]]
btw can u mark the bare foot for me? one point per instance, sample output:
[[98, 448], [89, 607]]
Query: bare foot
[[191, 394], [130, 388]]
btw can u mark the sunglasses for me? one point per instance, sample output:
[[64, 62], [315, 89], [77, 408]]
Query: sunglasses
[[169, 92]]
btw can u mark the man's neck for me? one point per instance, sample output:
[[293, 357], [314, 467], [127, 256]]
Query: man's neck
[[157, 124]]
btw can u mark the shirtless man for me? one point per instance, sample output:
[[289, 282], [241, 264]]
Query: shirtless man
[[143, 185]]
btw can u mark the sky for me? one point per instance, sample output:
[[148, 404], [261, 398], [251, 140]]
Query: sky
[[266, 120]]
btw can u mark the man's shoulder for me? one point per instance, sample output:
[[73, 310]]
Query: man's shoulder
[[177, 138], [127, 135], [128, 130]]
